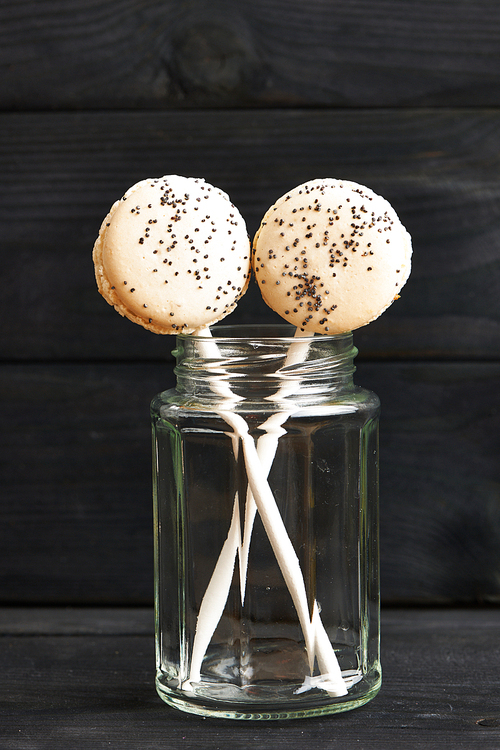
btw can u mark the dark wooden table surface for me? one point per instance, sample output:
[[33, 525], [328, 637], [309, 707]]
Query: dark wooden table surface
[[84, 677]]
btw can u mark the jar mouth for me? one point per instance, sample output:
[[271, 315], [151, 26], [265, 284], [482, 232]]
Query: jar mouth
[[273, 333], [263, 363]]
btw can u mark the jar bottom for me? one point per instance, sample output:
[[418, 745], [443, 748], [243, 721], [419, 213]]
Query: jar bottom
[[266, 699]]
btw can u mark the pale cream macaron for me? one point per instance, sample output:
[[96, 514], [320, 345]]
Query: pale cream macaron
[[173, 255], [331, 256]]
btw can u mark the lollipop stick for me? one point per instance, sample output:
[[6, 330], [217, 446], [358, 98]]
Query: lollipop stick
[[217, 592], [316, 638], [267, 446], [288, 562], [215, 597]]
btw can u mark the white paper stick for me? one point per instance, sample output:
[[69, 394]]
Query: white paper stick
[[215, 597], [280, 542], [267, 446], [316, 638], [217, 592], [327, 659]]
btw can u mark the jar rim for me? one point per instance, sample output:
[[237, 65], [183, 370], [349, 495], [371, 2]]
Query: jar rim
[[271, 332]]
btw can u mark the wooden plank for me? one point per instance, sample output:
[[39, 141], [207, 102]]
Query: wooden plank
[[120, 54], [75, 518], [439, 690], [440, 480], [77, 484], [61, 172], [139, 621], [74, 621]]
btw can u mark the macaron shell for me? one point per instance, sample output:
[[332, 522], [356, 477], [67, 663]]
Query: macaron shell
[[330, 256], [173, 255]]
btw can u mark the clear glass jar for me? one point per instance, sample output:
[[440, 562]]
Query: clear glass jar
[[266, 527]]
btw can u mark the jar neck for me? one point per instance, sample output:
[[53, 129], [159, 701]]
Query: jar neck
[[262, 364]]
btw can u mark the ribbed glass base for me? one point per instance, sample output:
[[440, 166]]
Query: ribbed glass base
[[266, 702]]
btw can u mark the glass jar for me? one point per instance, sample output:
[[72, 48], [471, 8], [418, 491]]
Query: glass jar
[[266, 527]]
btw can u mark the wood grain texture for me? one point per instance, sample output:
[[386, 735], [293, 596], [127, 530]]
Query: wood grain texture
[[163, 54], [61, 172], [400, 95], [96, 690], [76, 498], [76, 518], [440, 480], [75, 621]]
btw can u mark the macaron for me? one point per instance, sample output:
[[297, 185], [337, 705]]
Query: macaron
[[330, 256], [173, 255]]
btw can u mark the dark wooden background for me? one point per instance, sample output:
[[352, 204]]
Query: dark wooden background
[[401, 95]]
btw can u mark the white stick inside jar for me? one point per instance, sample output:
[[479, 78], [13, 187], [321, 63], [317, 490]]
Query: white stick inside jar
[[318, 645]]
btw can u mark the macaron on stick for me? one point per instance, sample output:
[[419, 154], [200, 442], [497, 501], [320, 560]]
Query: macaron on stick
[[173, 255], [331, 256]]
